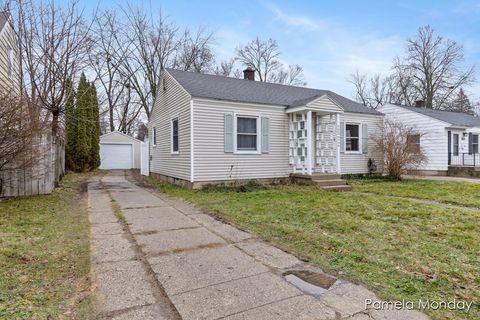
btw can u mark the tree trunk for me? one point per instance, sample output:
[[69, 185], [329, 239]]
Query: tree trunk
[[55, 118], [110, 113]]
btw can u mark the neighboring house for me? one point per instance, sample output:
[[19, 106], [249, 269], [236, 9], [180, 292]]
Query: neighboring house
[[208, 128], [447, 138], [119, 151], [9, 55]]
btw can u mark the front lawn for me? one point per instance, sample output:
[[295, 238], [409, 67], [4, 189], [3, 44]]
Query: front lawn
[[401, 249], [44, 254], [454, 192]]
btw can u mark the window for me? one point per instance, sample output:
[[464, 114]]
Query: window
[[247, 133], [154, 136], [455, 144], [352, 137], [413, 143], [175, 135], [475, 143]]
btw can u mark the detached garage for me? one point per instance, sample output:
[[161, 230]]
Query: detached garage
[[119, 151]]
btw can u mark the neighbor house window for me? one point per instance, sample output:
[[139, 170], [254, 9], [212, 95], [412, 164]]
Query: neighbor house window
[[413, 143], [175, 135], [247, 133], [352, 137], [455, 144], [475, 143], [154, 136]]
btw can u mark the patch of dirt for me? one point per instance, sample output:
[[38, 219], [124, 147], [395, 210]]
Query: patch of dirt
[[84, 186]]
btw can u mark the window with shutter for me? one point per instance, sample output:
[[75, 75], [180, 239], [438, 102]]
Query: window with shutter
[[228, 133], [352, 137], [246, 133], [265, 134], [364, 138]]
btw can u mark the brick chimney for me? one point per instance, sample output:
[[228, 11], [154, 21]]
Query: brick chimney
[[420, 104], [249, 73]]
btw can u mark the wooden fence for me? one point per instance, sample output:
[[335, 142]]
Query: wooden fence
[[39, 178]]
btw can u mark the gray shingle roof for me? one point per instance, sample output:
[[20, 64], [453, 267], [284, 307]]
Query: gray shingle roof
[[454, 118], [3, 19], [239, 90]]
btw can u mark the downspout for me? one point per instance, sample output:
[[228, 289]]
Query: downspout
[[192, 155], [339, 171]]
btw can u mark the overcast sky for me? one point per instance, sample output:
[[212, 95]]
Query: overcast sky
[[330, 39]]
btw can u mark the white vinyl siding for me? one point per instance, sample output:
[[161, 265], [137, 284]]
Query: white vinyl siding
[[355, 162], [171, 102], [324, 104], [212, 163], [434, 137], [9, 62]]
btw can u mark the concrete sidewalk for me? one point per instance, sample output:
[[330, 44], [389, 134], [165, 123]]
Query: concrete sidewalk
[[171, 261]]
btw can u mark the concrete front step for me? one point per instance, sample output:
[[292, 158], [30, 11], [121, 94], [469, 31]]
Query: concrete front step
[[326, 183], [344, 187], [325, 176]]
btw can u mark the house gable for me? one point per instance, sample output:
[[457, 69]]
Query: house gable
[[9, 56], [323, 103]]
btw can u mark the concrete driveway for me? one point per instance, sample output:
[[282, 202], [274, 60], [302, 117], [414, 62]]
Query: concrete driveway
[[157, 257]]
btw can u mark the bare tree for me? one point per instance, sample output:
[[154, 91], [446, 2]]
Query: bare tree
[[149, 46], [53, 42], [400, 145], [195, 51], [293, 76], [376, 90], [435, 66], [462, 103], [430, 71], [106, 59], [127, 111], [263, 56], [225, 68], [19, 133]]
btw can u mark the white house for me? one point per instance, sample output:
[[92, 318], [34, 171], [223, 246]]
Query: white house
[[119, 151], [209, 128], [447, 138], [9, 57]]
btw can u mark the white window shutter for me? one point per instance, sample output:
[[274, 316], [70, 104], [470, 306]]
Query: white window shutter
[[342, 136], [364, 138], [470, 143], [228, 127], [265, 134]]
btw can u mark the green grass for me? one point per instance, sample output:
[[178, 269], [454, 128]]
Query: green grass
[[44, 254], [401, 249], [453, 192]]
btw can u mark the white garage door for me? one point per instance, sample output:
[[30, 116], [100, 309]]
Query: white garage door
[[116, 156]]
